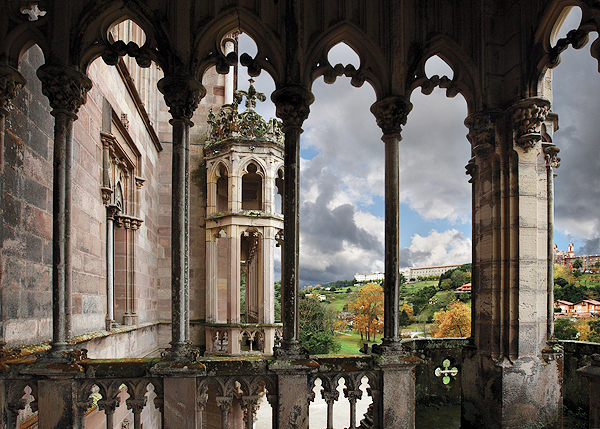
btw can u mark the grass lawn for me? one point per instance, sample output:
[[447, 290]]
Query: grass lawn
[[351, 343]]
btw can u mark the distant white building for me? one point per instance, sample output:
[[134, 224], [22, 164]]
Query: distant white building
[[368, 278], [434, 270]]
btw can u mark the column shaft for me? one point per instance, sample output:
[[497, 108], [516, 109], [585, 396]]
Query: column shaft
[[392, 239], [291, 244], [179, 233], [61, 231]]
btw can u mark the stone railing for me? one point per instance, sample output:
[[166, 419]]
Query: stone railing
[[242, 338], [218, 391]]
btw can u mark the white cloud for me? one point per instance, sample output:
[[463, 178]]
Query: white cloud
[[439, 248]]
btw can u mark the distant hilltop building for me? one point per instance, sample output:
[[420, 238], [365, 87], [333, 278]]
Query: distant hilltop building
[[433, 270], [567, 258], [368, 278]]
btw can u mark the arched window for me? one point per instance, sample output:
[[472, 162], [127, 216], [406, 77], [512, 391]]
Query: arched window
[[252, 189], [222, 190]]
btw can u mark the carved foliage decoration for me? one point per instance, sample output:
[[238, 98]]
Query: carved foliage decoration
[[292, 105], [11, 81], [391, 114], [65, 88], [528, 115], [482, 131], [229, 123], [552, 158], [182, 95]]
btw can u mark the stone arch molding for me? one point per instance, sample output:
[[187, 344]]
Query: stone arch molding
[[546, 56], [262, 169], [213, 174], [208, 52], [92, 39], [372, 61], [465, 71]]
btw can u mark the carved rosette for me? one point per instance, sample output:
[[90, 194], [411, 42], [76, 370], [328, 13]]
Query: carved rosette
[[482, 132], [552, 158], [292, 105], [182, 95], [11, 81], [66, 88], [528, 115], [391, 114]]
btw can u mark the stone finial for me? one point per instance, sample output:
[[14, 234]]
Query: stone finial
[[251, 96], [292, 104], [391, 114], [528, 115], [11, 81], [182, 95], [66, 88]]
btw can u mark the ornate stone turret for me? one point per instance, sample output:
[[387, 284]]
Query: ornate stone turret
[[244, 163]]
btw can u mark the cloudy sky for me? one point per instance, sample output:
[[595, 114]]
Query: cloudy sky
[[341, 207]]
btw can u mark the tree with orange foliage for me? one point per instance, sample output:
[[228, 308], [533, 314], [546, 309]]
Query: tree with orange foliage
[[368, 311], [454, 321]]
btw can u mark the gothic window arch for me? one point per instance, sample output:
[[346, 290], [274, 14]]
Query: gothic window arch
[[252, 187]]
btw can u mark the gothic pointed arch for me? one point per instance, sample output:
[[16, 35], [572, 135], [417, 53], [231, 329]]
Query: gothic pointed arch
[[207, 50], [20, 40], [215, 171], [547, 50], [372, 67], [261, 170], [463, 82], [92, 37]]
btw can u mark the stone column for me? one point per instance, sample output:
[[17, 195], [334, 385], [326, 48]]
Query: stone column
[[111, 211], [552, 162], [66, 90], [511, 277], [292, 107], [391, 114], [11, 81], [182, 95]]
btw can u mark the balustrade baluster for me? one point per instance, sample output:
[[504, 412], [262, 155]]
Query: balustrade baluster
[[353, 396], [224, 404], [109, 406], [137, 406], [249, 407]]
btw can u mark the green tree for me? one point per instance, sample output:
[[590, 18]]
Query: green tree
[[278, 301], [317, 325], [594, 335], [421, 298], [564, 329], [403, 318], [577, 264]]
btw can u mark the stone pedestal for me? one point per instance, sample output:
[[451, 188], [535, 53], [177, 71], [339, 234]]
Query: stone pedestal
[[293, 396], [397, 391], [180, 402], [57, 402], [592, 373], [509, 394]]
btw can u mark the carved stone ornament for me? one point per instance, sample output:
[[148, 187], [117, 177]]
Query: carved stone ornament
[[228, 123], [552, 158], [391, 114], [32, 11], [66, 88], [292, 105], [470, 167], [528, 115], [11, 81], [482, 131], [182, 95]]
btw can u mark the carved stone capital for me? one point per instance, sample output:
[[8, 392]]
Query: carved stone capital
[[182, 95], [552, 158], [139, 182], [11, 81], [330, 397], [482, 131], [528, 115], [66, 88], [292, 105], [224, 402], [112, 211], [136, 405], [109, 405], [391, 114]]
